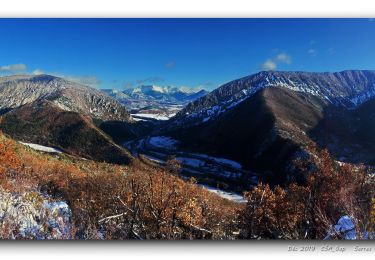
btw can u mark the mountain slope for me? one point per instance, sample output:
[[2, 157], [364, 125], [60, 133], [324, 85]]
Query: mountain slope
[[19, 90], [263, 121], [348, 135], [347, 89], [91, 193], [43, 122], [263, 133]]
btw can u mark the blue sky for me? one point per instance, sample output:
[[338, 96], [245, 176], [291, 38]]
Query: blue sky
[[120, 53]]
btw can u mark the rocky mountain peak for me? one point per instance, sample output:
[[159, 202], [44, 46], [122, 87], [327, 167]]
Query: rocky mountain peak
[[348, 89], [18, 90]]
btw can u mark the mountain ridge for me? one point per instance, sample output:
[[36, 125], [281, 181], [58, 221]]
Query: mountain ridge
[[265, 120], [19, 90], [334, 87], [145, 95]]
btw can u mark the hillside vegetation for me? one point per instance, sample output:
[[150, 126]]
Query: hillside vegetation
[[42, 122], [109, 201]]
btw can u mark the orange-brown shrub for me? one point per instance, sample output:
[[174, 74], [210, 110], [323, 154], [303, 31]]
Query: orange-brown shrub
[[331, 190], [119, 202]]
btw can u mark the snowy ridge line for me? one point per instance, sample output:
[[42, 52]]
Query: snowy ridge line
[[330, 87]]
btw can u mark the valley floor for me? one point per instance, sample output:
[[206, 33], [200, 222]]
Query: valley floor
[[213, 172]]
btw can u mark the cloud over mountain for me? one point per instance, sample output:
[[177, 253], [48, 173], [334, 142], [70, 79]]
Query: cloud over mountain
[[271, 64], [13, 68]]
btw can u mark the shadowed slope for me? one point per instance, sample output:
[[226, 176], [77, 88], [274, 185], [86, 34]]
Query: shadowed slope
[[42, 122], [262, 133]]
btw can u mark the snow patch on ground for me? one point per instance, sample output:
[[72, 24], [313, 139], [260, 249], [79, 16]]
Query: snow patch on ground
[[42, 148], [154, 159], [344, 227], [228, 162], [139, 119], [33, 216], [151, 116], [191, 162], [225, 194], [163, 142]]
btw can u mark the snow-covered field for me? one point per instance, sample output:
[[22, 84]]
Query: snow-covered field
[[139, 119], [196, 160], [42, 148], [162, 146], [163, 142], [221, 160], [158, 148], [225, 194], [191, 162], [151, 116]]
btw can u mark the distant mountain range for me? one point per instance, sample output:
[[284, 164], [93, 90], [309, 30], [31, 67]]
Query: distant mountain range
[[155, 95], [155, 102]]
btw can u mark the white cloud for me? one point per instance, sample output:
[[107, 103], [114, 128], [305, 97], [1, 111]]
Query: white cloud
[[170, 65], [13, 68], [269, 65], [90, 81], [283, 57], [38, 72], [192, 89], [311, 52]]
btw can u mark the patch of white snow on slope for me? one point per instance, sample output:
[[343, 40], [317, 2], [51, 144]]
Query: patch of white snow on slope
[[152, 116], [225, 194], [32, 216], [42, 148], [154, 159]]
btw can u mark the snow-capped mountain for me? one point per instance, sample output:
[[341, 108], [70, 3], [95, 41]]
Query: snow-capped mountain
[[18, 90], [165, 94], [54, 112], [155, 102], [262, 121], [347, 89]]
